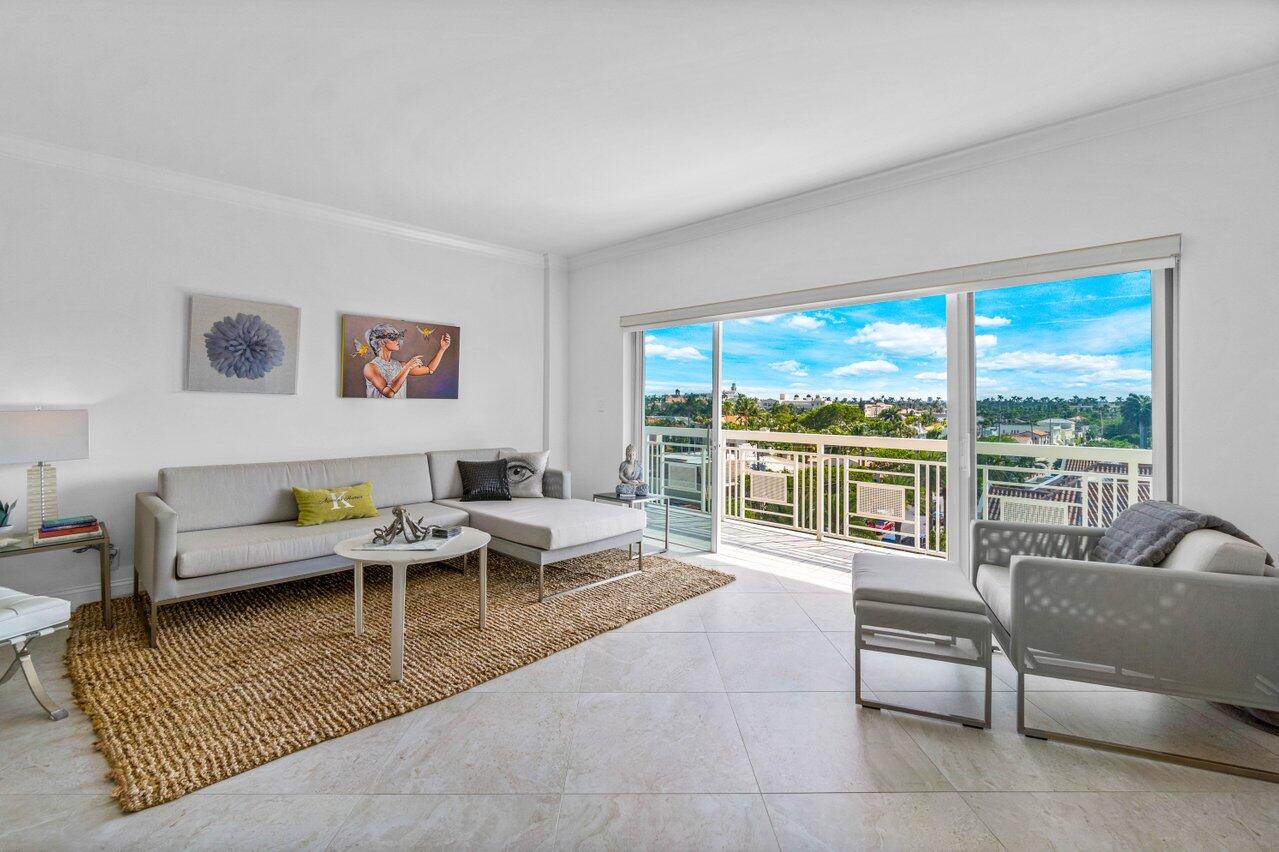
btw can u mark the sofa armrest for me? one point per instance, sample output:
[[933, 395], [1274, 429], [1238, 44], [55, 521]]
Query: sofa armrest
[[997, 542], [557, 483], [155, 545], [1191, 633]]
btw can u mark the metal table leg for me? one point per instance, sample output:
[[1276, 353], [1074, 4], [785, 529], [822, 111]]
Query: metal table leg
[[666, 529], [104, 556]]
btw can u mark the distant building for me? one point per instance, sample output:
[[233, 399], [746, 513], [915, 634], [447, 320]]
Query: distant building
[[1060, 430], [809, 402], [1022, 433], [874, 409]]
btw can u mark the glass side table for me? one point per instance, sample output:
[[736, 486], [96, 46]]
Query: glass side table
[[26, 545], [638, 503]]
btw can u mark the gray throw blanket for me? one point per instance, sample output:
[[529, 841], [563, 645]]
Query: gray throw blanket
[[1146, 533]]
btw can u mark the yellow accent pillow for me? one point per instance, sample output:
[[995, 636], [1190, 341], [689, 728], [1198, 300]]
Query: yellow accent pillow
[[322, 505]]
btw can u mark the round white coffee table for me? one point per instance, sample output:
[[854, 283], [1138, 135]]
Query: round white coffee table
[[360, 553]]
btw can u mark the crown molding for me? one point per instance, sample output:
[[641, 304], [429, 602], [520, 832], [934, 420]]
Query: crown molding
[[167, 180], [1203, 97]]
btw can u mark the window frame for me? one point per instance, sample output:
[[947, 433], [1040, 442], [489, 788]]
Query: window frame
[[1160, 255]]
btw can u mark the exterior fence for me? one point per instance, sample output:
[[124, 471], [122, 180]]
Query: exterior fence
[[888, 492]]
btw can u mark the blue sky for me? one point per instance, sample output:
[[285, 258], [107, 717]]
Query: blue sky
[[1086, 337]]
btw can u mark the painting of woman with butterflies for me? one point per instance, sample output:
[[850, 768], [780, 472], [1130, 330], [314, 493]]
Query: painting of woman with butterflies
[[396, 359]]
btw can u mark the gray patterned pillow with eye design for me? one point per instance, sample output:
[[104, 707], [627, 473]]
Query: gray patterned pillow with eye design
[[524, 472]]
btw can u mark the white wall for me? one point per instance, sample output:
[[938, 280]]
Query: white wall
[[1212, 177], [555, 361], [94, 280]]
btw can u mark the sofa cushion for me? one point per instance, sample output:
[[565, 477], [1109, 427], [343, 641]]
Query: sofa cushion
[[218, 551], [913, 581], [1215, 551], [525, 471], [21, 613], [446, 482], [548, 523], [484, 480], [339, 503], [237, 495], [995, 584]]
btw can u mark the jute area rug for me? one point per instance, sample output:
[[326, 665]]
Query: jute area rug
[[245, 678]]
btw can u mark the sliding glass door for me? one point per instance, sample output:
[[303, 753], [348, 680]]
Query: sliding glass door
[[679, 431], [834, 425], [1064, 399]]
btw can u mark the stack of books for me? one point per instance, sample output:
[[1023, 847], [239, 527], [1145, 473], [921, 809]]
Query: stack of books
[[68, 529]]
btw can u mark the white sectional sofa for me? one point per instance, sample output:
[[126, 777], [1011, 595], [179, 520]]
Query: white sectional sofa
[[213, 529]]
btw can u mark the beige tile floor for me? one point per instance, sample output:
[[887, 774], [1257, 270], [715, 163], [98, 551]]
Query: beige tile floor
[[725, 722]]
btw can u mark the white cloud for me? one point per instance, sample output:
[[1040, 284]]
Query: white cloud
[[906, 338], [931, 376], [1120, 331], [653, 349], [1073, 362], [911, 339], [862, 368], [991, 322], [804, 322], [790, 367], [1119, 374], [750, 320]]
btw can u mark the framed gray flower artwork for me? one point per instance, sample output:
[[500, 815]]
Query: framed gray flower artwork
[[238, 346]]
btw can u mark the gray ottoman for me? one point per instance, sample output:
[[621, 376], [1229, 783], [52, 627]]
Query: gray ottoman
[[919, 607]]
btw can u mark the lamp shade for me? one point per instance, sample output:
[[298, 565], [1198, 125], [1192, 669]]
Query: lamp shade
[[43, 435]]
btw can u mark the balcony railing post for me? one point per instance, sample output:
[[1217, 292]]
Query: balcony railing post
[[1133, 494], [797, 487], [921, 498], [1085, 500], [821, 490]]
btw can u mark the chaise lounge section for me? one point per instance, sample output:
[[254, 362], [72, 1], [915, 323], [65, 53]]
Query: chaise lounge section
[[543, 531], [213, 529]]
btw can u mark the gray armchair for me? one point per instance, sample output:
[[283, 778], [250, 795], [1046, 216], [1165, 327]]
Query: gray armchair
[[1181, 628]]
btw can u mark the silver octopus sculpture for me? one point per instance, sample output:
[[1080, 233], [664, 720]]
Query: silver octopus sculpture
[[413, 531]]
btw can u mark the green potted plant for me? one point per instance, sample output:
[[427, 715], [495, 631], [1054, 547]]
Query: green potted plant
[[6, 515]]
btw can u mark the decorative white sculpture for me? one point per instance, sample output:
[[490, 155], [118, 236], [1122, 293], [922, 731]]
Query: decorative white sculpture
[[631, 474]]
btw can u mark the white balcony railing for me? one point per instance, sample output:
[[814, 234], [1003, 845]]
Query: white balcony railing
[[889, 492]]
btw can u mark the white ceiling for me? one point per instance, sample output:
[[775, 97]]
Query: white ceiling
[[572, 124]]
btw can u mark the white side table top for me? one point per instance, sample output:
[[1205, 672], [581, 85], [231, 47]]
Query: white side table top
[[470, 539]]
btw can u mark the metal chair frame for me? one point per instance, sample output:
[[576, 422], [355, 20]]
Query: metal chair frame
[[22, 661]]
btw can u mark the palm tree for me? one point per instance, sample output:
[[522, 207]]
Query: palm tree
[[748, 410]]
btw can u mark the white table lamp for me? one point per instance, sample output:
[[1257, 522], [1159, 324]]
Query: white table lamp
[[42, 436]]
